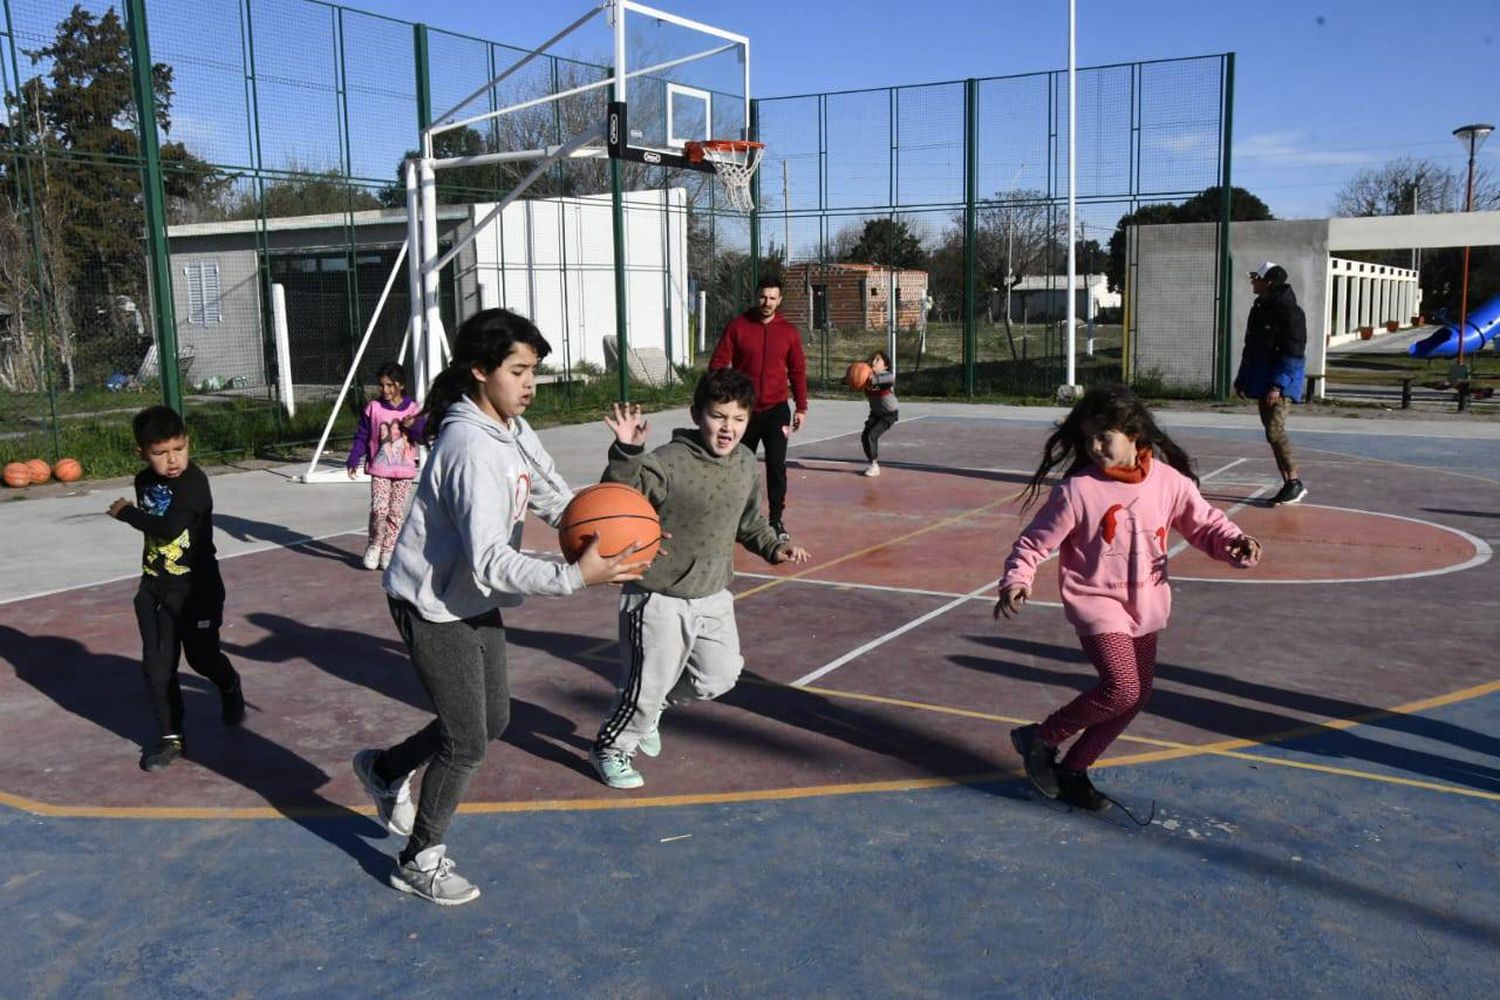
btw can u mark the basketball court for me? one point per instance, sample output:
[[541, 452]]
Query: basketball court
[[1321, 751]]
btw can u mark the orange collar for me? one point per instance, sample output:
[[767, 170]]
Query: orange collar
[[1136, 473]]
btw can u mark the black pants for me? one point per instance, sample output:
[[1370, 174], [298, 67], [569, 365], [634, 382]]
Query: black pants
[[769, 427], [176, 621], [876, 424], [462, 667]]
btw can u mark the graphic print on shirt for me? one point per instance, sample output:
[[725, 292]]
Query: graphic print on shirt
[[1127, 539], [167, 556], [395, 446], [522, 498]]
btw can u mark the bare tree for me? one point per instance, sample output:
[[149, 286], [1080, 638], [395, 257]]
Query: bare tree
[[1410, 186]]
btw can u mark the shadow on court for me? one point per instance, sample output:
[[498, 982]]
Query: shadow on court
[[1259, 725], [109, 691]]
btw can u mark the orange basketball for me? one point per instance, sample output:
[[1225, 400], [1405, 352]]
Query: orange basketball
[[618, 514], [858, 376], [40, 471], [67, 470], [17, 474]]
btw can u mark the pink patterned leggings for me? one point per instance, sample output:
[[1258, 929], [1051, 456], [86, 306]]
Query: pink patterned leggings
[[1126, 667], [388, 502]]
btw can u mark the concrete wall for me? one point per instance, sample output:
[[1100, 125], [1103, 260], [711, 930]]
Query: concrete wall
[[231, 347], [1174, 292]]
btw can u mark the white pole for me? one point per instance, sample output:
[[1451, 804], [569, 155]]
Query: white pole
[[702, 322], [421, 378], [283, 349], [619, 94], [1072, 188], [432, 319]]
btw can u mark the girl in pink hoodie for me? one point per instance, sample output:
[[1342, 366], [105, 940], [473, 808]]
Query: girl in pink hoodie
[[1127, 487]]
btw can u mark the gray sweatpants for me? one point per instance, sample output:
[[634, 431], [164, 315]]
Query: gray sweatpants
[[673, 650]]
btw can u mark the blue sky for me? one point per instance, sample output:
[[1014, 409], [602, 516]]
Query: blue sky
[[1323, 89]]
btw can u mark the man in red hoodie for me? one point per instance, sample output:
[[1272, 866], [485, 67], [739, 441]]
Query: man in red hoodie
[[764, 345]]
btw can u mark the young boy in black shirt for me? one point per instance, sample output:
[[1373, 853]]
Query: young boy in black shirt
[[180, 603]]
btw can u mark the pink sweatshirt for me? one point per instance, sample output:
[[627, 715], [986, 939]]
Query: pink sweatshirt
[[1113, 537]]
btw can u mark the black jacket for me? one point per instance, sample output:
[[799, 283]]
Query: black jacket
[[1275, 345]]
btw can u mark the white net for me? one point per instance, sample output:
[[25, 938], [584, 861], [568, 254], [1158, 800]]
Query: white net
[[735, 162]]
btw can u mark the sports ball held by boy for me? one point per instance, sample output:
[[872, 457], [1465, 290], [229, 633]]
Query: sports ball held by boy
[[678, 639]]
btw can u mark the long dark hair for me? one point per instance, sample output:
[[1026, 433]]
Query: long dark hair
[[1108, 407], [484, 341]]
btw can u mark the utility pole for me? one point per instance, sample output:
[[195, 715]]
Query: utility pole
[[786, 216]]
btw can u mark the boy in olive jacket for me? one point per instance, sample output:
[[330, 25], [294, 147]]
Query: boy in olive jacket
[[678, 641]]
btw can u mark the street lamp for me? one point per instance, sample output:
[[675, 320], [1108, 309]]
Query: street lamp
[[1472, 137]]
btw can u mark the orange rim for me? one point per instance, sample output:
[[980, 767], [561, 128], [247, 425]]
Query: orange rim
[[697, 149]]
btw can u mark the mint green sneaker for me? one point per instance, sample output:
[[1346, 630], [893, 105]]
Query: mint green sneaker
[[650, 744], [615, 769]]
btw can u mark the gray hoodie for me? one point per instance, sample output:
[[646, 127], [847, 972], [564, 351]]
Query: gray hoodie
[[459, 554], [706, 503]]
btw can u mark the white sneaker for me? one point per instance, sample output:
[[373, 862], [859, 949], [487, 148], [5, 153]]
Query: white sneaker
[[430, 875], [873, 469], [650, 744], [385, 559], [394, 809], [372, 557], [615, 769]]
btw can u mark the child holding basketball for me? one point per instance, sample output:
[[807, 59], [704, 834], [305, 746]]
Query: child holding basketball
[[385, 443], [882, 416], [179, 606], [1126, 487], [456, 564], [678, 640]]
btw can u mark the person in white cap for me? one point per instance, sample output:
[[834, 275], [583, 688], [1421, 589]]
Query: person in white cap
[[1273, 368]]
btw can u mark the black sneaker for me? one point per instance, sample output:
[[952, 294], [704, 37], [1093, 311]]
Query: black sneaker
[[1075, 788], [232, 704], [1292, 491], [780, 529], [161, 756], [1040, 759]]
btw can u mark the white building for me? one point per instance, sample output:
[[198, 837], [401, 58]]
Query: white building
[[1044, 297]]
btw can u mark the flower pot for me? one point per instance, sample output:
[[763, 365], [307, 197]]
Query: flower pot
[[1366, 332], [1391, 326]]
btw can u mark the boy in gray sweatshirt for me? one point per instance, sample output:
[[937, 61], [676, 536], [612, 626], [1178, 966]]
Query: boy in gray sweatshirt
[[678, 640]]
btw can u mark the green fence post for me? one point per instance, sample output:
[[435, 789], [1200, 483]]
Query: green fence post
[[424, 78], [155, 203], [1222, 375], [971, 220]]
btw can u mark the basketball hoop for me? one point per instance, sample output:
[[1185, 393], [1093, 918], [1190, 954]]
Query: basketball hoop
[[735, 161]]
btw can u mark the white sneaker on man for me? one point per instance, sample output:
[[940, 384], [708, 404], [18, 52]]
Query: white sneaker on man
[[873, 469], [615, 769], [372, 557]]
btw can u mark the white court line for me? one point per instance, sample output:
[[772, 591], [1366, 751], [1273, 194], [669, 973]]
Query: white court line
[[873, 643], [268, 547], [833, 665]]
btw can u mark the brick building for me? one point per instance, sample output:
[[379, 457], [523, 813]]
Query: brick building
[[853, 296]]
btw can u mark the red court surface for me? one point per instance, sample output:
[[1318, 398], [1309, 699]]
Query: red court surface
[[876, 666]]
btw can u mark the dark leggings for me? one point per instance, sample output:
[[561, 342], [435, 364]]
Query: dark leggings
[[876, 424], [770, 427], [462, 666], [1126, 667], [174, 623]]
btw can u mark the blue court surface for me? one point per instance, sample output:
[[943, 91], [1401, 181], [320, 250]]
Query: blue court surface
[[1319, 764]]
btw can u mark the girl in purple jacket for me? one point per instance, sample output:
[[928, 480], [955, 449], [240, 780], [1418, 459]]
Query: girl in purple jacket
[[386, 443]]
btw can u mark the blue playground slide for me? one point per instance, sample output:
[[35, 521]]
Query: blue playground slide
[[1483, 324]]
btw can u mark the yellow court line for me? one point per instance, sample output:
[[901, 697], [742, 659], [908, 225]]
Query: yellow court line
[[1229, 748], [945, 522], [1171, 751]]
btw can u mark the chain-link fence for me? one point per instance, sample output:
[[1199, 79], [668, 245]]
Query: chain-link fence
[[930, 222], [926, 220]]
